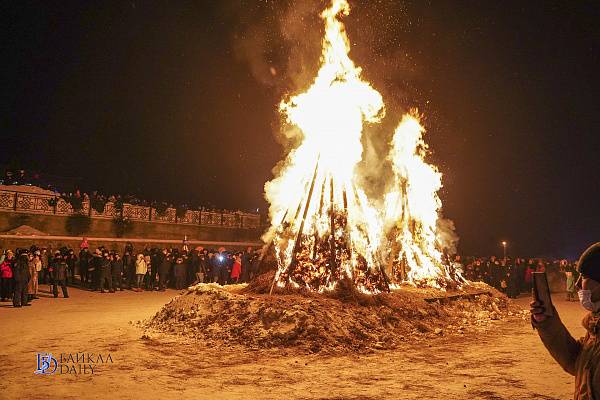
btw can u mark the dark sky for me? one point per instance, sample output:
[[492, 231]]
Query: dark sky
[[169, 100]]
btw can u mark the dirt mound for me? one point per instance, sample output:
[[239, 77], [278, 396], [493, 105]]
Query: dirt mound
[[226, 316]]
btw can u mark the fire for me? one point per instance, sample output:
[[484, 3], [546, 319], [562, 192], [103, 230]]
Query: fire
[[324, 227]]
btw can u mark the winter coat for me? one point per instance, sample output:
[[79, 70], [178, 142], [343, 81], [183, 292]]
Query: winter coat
[[236, 270], [105, 266], [140, 267], [34, 275], [38, 265], [20, 272], [580, 358], [116, 267], [6, 269], [164, 267], [59, 272], [179, 269]]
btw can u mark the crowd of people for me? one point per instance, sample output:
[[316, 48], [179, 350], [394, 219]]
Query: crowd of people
[[108, 271], [513, 276], [104, 270], [26, 178]]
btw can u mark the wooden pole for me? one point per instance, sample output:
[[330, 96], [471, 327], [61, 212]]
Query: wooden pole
[[299, 235], [320, 213]]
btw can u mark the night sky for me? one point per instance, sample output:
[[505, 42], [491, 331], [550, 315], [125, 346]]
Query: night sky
[[178, 101]]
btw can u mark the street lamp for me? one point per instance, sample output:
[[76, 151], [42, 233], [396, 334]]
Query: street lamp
[[504, 247]]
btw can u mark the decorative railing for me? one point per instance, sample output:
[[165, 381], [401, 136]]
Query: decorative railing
[[41, 204]]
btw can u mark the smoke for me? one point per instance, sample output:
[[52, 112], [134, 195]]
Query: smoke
[[280, 41], [447, 235]]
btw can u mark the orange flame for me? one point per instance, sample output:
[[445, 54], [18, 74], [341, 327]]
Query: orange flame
[[319, 183]]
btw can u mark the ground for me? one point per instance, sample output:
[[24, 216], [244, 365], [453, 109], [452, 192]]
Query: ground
[[508, 363]]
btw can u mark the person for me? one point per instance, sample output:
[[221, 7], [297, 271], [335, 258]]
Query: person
[[579, 358], [155, 258], [246, 264], [59, 276], [35, 266], [570, 274], [84, 264], [6, 276], [129, 248], [236, 269], [45, 278], [21, 277], [70, 260], [148, 275], [94, 269], [163, 270], [213, 266], [529, 274], [116, 269], [202, 271], [140, 270], [129, 269], [105, 272], [180, 273], [226, 268]]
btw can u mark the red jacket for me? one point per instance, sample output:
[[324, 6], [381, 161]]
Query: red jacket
[[6, 269], [236, 270]]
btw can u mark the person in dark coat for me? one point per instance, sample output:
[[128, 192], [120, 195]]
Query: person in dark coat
[[180, 273], [116, 268], [71, 260], [129, 248], [59, 276], [84, 263], [129, 269], [94, 269], [155, 258], [247, 264], [105, 273], [202, 273], [21, 277], [163, 270], [194, 266]]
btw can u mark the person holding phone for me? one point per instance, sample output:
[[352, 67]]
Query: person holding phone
[[580, 358]]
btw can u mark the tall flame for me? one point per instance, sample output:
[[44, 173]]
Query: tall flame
[[323, 225]]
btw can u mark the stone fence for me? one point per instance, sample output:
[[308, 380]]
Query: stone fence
[[36, 203]]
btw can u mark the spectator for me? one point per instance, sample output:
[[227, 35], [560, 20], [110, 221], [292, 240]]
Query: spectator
[[35, 266], [106, 273], [236, 269], [59, 276], [6, 274], [117, 272], [164, 270], [140, 271], [21, 280]]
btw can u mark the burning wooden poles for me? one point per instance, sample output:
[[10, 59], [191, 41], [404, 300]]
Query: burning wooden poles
[[298, 240]]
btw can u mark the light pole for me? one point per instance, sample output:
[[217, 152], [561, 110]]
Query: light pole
[[504, 247]]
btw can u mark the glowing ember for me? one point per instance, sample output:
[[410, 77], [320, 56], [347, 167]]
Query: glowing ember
[[324, 227]]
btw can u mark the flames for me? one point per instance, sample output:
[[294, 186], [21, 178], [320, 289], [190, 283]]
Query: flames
[[324, 227]]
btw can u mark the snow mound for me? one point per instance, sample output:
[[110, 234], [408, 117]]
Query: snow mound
[[230, 316]]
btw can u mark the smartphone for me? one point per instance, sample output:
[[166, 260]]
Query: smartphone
[[541, 292]]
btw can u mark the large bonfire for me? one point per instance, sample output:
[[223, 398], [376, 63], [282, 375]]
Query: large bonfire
[[324, 225]]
